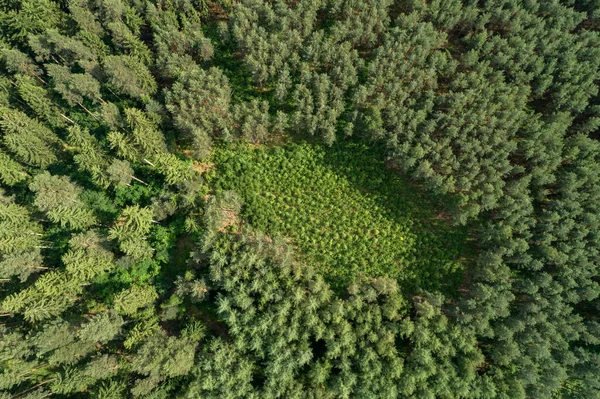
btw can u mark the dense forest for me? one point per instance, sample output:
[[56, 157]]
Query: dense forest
[[300, 199]]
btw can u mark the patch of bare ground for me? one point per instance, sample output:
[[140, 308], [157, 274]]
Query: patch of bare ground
[[202, 167]]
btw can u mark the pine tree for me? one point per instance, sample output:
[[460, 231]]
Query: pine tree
[[11, 172], [131, 230], [90, 156], [55, 291], [74, 87], [229, 372], [174, 169], [18, 233], [145, 133], [120, 172], [165, 357], [126, 40], [85, 18], [111, 115], [199, 102], [22, 264], [129, 76], [59, 198], [28, 139], [54, 47], [18, 364], [196, 289], [361, 355], [17, 62], [124, 146], [39, 101], [129, 301], [32, 17]]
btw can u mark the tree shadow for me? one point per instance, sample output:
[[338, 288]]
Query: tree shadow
[[440, 249]]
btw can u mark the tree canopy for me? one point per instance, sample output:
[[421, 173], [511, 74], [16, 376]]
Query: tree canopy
[[316, 199]]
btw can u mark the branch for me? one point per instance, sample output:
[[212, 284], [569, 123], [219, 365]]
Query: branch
[[33, 387]]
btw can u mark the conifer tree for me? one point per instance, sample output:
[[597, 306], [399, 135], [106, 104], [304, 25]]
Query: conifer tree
[[491, 107], [17, 62], [128, 301], [18, 233], [11, 172], [145, 133], [74, 87], [57, 290], [29, 140], [163, 357], [59, 198], [174, 169], [56, 48], [131, 230], [39, 101], [90, 156], [129, 76], [79, 10], [22, 264], [124, 146], [18, 364], [31, 17], [126, 40], [199, 102], [120, 172]]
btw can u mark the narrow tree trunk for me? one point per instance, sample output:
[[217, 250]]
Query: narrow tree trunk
[[69, 119], [33, 387], [88, 111], [138, 180]]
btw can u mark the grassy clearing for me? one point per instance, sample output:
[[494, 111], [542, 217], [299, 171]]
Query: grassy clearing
[[345, 211]]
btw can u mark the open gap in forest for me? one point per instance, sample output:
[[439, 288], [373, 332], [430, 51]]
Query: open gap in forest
[[346, 212]]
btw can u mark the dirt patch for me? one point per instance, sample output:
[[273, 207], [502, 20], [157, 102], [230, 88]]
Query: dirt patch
[[202, 167], [230, 218]]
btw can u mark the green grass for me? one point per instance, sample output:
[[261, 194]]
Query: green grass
[[345, 212]]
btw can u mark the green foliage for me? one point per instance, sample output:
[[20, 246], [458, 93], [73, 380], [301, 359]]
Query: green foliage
[[28, 139], [130, 300], [222, 212], [17, 62], [225, 261], [59, 198], [163, 357], [32, 17], [345, 212], [73, 87], [361, 335], [131, 230], [39, 100], [57, 290], [89, 156], [11, 172], [199, 102], [52, 46], [144, 132], [129, 76], [22, 264], [18, 233], [135, 221], [120, 172]]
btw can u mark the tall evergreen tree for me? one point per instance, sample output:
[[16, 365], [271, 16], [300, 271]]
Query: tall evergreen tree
[[59, 198], [31, 142]]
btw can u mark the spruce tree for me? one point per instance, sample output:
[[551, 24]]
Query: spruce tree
[[59, 198], [30, 141], [129, 76]]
